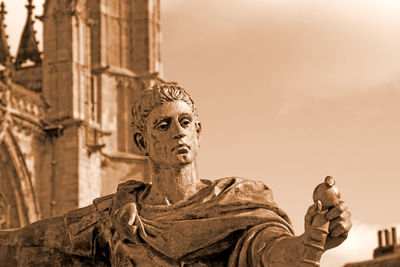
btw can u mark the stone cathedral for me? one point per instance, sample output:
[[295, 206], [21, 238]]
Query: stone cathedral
[[65, 135]]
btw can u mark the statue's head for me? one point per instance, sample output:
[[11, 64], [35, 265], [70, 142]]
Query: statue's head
[[166, 125]]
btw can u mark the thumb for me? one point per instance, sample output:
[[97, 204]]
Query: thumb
[[317, 206], [312, 211]]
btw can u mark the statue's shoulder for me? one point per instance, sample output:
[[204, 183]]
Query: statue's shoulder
[[240, 185], [132, 187], [129, 187], [80, 223], [236, 180]]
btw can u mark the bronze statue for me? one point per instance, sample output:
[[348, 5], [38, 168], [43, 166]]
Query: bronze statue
[[179, 219]]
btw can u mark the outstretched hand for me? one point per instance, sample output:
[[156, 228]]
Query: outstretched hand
[[339, 222], [339, 225]]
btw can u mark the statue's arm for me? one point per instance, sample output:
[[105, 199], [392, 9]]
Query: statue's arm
[[35, 244], [49, 233], [284, 249], [272, 244], [70, 238]]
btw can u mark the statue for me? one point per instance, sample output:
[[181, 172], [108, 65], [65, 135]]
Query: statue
[[179, 219]]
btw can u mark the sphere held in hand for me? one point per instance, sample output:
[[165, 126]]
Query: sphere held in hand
[[327, 193]]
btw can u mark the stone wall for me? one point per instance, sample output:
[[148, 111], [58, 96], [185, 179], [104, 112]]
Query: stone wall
[[21, 142], [69, 118]]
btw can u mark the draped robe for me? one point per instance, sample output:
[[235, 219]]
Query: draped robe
[[230, 222]]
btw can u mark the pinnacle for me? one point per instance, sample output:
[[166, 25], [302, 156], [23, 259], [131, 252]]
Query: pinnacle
[[28, 46], [4, 47]]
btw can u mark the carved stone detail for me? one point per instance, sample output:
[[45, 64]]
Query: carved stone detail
[[17, 178], [4, 212], [26, 104]]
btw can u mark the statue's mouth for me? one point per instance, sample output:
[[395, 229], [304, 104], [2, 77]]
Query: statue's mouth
[[181, 148]]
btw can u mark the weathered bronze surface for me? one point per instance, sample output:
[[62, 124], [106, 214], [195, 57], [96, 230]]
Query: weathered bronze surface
[[178, 219]]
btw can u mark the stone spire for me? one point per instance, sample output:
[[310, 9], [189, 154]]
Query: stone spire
[[5, 56], [28, 46]]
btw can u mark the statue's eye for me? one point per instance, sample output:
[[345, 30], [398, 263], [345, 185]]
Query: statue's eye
[[185, 122], [162, 126]]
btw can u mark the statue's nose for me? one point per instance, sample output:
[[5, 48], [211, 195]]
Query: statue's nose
[[179, 132], [179, 136]]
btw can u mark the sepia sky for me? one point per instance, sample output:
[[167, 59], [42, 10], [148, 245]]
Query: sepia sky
[[289, 92]]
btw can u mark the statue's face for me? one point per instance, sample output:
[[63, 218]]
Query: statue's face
[[172, 135]]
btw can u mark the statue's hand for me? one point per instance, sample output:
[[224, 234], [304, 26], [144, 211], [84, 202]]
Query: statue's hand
[[123, 220], [316, 225], [339, 225]]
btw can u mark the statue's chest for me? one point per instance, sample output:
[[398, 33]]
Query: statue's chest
[[142, 255]]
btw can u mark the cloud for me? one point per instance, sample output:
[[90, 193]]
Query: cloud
[[359, 245]]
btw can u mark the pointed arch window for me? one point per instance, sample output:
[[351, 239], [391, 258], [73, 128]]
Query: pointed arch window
[[18, 205]]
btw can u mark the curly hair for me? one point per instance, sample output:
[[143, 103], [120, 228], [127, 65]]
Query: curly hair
[[157, 95]]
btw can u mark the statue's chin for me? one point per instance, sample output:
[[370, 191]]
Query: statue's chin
[[184, 159], [178, 160]]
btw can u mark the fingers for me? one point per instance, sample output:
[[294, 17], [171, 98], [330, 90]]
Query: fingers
[[341, 230], [312, 210], [340, 226], [318, 206], [336, 211], [123, 219], [334, 242], [340, 222], [128, 213], [344, 216]]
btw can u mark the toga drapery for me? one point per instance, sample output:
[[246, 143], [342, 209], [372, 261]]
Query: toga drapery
[[230, 222]]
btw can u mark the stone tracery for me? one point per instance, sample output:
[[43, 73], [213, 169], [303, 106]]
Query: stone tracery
[[4, 212]]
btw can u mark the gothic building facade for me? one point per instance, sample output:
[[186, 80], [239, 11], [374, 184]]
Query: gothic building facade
[[65, 111]]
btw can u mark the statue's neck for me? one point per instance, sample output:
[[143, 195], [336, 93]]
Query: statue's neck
[[172, 184]]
